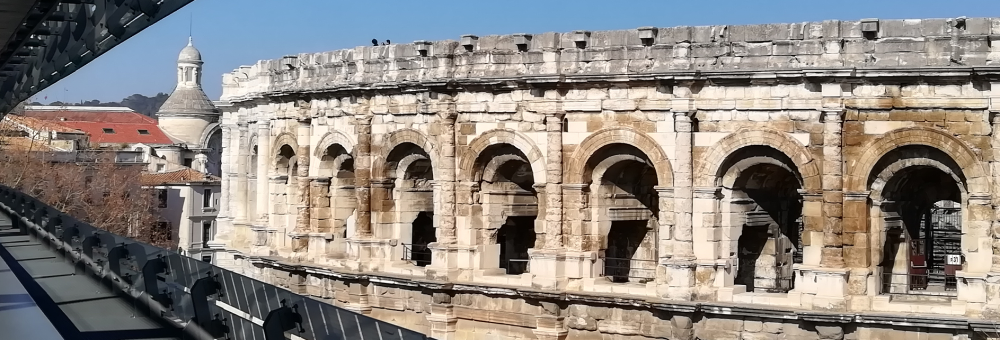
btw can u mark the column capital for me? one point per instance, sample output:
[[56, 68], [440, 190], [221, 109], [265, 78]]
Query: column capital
[[833, 115], [382, 183], [362, 119], [575, 187], [708, 192], [449, 115], [810, 196], [857, 196], [683, 116], [664, 192], [320, 179], [979, 198]]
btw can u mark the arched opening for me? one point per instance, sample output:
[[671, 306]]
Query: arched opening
[[627, 209], [337, 164], [407, 193], [214, 164], [282, 212], [509, 205], [922, 194], [764, 208], [251, 197]]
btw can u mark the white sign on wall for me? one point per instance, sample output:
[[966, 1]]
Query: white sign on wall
[[954, 260]]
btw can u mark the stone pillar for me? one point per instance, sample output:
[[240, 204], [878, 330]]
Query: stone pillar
[[242, 158], [665, 220], [705, 220], [299, 241], [995, 171], [320, 218], [357, 298], [683, 248], [442, 317], [263, 171], [833, 184], [553, 177], [446, 227], [224, 226], [813, 225], [363, 177], [857, 255], [549, 325], [579, 263]]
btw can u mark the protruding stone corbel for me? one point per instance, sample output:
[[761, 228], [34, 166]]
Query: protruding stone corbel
[[469, 41], [522, 41], [423, 47], [648, 35], [870, 28], [580, 38]]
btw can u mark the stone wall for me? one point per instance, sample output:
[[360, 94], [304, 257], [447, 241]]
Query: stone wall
[[483, 312], [841, 156], [631, 53]]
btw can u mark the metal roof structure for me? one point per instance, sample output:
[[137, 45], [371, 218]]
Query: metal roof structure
[[43, 41]]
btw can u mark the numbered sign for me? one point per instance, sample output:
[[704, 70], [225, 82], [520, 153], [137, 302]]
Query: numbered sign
[[954, 260]]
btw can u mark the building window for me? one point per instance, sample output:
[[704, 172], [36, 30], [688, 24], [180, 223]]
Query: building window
[[160, 167], [109, 130], [207, 232], [206, 258], [206, 199], [143, 132], [188, 162], [161, 195]]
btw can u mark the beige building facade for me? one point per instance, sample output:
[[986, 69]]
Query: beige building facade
[[828, 180]]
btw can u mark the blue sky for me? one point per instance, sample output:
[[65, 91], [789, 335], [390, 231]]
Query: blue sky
[[231, 33]]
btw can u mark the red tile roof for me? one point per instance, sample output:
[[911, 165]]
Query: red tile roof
[[90, 116], [120, 133], [180, 176], [126, 125], [35, 124]]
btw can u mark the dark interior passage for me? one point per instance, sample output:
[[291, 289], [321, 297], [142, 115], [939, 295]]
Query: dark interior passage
[[923, 228], [515, 237], [423, 234], [624, 239]]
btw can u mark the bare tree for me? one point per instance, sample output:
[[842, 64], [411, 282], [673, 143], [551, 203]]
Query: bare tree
[[106, 194]]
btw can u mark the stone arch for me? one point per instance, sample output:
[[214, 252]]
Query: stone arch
[[972, 168], [284, 138], [252, 142], [467, 168], [622, 135], [881, 179], [210, 130], [707, 174], [331, 138], [396, 138]]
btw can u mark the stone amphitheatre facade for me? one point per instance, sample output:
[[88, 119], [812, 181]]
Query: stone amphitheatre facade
[[828, 180]]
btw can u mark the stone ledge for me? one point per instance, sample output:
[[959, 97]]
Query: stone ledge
[[721, 76], [707, 308], [766, 47]]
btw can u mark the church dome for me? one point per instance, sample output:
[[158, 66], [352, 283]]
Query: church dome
[[190, 53]]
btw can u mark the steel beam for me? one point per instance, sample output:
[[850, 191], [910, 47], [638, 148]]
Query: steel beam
[[57, 37]]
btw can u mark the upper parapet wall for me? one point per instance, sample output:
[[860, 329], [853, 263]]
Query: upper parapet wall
[[869, 43]]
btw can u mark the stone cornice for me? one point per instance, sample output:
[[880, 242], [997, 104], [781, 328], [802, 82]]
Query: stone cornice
[[689, 307], [842, 75]]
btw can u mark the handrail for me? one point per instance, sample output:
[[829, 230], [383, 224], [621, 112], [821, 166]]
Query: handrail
[[208, 301]]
